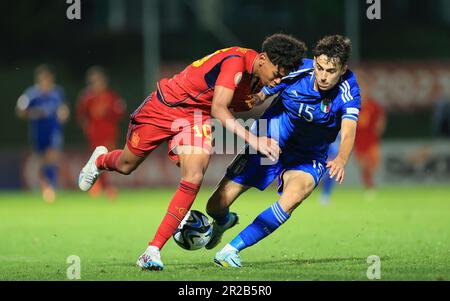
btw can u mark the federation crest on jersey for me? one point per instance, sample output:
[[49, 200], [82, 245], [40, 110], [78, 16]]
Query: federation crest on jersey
[[325, 105], [135, 139]]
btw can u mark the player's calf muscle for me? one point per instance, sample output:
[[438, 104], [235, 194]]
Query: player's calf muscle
[[218, 202], [195, 176], [224, 195]]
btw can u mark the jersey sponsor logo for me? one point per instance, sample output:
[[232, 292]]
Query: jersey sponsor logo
[[135, 138], [325, 105], [237, 78]]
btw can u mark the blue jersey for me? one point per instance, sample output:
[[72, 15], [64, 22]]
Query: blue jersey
[[333, 150], [306, 121], [42, 110]]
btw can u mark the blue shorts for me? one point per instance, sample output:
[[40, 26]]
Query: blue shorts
[[43, 140], [247, 169]]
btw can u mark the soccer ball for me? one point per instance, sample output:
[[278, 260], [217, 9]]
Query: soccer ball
[[194, 231]]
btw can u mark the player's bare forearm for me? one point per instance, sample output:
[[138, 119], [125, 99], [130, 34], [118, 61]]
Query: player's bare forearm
[[259, 97], [229, 122], [336, 166], [348, 134], [219, 109]]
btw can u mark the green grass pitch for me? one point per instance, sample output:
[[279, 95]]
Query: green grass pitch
[[408, 228]]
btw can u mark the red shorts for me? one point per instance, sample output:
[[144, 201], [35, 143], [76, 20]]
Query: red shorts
[[156, 123], [369, 155]]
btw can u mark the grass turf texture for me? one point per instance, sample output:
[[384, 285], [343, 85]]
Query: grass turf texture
[[408, 228]]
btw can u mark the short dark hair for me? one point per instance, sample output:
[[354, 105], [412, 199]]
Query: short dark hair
[[285, 51], [335, 47]]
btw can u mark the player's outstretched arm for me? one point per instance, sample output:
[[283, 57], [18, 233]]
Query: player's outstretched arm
[[221, 101], [336, 166]]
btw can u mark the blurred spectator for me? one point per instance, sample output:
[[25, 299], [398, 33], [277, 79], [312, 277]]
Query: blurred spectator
[[43, 104], [99, 111], [371, 125], [441, 117]]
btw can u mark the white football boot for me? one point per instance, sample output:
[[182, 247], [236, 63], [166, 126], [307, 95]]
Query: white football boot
[[90, 172], [228, 257], [150, 260]]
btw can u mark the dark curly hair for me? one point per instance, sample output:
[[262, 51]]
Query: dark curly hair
[[285, 51], [335, 47]]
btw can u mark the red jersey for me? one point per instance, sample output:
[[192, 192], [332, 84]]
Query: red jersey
[[99, 115], [193, 88], [367, 132]]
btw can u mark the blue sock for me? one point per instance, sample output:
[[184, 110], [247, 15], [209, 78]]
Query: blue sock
[[264, 224], [221, 219], [51, 174], [327, 185]]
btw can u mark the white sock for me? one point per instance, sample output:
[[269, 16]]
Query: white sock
[[229, 247]]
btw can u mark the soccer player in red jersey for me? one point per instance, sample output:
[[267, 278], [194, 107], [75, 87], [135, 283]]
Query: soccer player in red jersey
[[99, 111], [371, 125], [179, 112]]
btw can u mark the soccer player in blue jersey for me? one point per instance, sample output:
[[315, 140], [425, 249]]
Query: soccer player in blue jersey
[[313, 105], [43, 104]]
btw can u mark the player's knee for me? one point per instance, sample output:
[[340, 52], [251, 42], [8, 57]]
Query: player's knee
[[194, 177], [299, 194], [294, 197]]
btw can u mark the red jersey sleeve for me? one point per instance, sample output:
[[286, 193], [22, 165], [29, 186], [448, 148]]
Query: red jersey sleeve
[[231, 72]]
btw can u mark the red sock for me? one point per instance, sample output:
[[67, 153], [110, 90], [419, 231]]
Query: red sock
[[178, 207], [108, 161], [368, 178]]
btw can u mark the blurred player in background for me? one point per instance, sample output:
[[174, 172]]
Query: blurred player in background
[[43, 104], [371, 125], [314, 104], [179, 112], [99, 111], [327, 184]]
